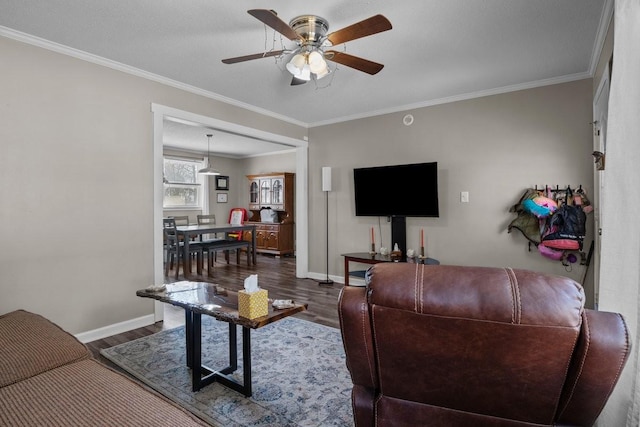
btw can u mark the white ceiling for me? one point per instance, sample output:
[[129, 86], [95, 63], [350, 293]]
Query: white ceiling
[[437, 51], [190, 136]]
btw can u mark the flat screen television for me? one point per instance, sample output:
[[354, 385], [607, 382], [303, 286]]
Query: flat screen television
[[400, 190]]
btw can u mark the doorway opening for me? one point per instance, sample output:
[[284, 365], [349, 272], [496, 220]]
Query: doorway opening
[[160, 112]]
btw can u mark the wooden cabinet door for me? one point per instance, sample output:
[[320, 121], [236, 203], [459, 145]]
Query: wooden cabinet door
[[277, 193], [272, 240], [261, 238], [265, 192], [254, 194]]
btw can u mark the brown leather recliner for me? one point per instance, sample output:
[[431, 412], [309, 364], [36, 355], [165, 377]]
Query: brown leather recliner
[[477, 346]]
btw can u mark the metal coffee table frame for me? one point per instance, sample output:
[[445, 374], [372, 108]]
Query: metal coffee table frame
[[202, 375]]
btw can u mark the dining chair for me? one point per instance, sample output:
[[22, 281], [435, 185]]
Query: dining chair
[[181, 219], [238, 216], [209, 244], [206, 219], [174, 249]]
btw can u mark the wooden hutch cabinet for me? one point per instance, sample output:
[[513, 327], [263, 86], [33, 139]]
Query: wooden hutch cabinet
[[275, 191]]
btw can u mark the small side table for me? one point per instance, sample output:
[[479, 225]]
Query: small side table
[[368, 258]]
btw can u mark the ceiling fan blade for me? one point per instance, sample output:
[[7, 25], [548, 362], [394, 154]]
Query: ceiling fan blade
[[296, 81], [375, 24], [364, 65], [254, 56], [269, 17]]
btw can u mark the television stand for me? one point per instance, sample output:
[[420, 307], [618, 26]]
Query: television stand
[[399, 234]]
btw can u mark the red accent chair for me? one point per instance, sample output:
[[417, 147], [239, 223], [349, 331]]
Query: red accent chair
[[237, 216]]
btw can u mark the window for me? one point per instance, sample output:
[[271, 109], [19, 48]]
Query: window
[[183, 187]]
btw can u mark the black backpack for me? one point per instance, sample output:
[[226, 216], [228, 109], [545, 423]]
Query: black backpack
[[567, 228]]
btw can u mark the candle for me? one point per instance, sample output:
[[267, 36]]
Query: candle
[[421, 237], [373, 243]]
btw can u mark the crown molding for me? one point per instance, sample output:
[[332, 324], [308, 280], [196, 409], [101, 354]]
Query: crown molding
[[66, 50], [461, 97], [601, 35], [95, 59]]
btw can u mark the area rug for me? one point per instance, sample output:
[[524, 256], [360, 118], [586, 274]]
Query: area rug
[[299, 374]]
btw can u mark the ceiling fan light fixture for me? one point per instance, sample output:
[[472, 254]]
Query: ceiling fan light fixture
[[317, 64], [305, 74], [299, 60], [318, 68], [304, 64], [293, 69], [315, 58], [209, 170], [296, 64], [323, 73]]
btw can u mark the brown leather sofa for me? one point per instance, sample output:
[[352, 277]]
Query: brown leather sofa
[[475, 346]]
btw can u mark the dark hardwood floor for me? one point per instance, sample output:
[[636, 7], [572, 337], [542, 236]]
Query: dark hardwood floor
[[277, 275]]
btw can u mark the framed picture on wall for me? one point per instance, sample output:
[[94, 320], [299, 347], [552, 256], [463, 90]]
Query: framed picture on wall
[[222, 182], [222, 197]]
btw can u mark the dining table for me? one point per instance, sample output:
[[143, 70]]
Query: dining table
[[190, 231]]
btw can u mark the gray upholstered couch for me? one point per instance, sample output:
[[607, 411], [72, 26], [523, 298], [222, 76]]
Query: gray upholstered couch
[[49, 378]]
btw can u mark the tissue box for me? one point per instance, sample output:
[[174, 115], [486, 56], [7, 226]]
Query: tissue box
[[254, 304]]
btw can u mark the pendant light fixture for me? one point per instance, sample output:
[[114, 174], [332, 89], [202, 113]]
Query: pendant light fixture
[[209, 170]]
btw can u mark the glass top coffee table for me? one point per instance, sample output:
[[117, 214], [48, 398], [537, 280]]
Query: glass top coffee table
[[198, 298]]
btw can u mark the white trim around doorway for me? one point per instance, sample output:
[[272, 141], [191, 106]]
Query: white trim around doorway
[[302, 160]]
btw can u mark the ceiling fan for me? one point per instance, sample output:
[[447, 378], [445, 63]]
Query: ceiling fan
[[308, 59]]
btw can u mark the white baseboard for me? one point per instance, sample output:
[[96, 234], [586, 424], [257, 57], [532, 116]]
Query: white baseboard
[[140, 322], [115, 329], [323, 276]]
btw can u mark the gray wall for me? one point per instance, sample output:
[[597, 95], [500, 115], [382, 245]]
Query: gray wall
[[493, 147], [76, 165], [76, 184]]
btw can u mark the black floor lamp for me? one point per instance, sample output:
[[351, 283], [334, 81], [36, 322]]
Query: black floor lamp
[[326, 187]]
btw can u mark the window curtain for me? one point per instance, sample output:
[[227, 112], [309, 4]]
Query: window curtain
[[620, 258]]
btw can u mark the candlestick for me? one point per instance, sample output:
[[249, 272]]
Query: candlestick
[[373, 243], [421, 251]]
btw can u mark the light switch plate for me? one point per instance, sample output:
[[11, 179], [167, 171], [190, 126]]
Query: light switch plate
[[464, 197]]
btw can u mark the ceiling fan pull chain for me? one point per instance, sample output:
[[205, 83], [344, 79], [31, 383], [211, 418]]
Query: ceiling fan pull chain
[[265, 37]]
